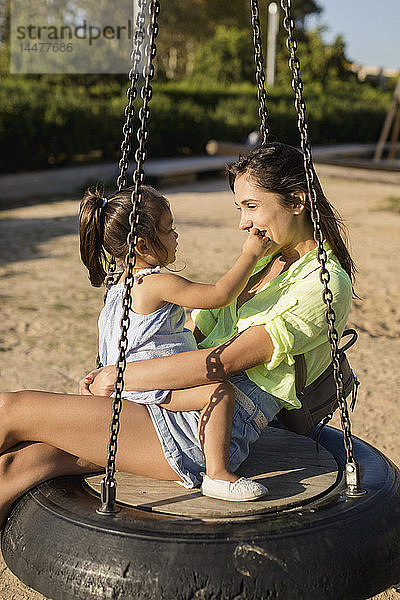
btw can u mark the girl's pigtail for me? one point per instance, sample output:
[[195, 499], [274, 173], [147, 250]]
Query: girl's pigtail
[[91, 234]]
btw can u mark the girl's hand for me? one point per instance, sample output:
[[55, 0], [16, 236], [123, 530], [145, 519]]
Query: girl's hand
[[85, 382], [102, 381], [256, 243], [99, 382]]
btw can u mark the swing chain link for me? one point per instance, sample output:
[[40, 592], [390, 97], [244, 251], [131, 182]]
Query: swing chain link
[[260, 76], [352, 471], [108, 483], [127, 129], [131, 93]]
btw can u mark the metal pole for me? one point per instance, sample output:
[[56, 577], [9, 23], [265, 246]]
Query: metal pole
[[141, 19], [273, 26]]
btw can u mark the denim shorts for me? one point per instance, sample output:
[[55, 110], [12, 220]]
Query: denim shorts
[[178, 431]]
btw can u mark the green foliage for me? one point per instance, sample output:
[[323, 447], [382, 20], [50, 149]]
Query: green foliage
[[227, 57], [44, 122], [186, 27], [51, 120], [319, 62], [323, 62]]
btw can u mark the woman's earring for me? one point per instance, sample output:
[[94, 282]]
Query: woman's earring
[[299, 202]]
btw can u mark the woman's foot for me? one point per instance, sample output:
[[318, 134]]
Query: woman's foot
[[242, 490]]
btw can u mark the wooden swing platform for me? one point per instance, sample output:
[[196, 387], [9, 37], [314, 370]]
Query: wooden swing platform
[[286, 463]]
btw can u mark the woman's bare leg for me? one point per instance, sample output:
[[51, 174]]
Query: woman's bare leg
[[79, 425], [216, 402], [30, 463]]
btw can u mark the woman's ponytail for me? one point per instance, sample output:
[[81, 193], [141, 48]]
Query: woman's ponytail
[[91, 233]]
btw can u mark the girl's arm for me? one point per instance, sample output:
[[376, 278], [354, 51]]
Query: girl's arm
[[178, 290], [187, 369]]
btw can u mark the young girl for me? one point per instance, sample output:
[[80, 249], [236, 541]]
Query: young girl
[[157, 317]]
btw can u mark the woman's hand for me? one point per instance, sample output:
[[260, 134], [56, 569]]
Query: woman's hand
[[99, 382]]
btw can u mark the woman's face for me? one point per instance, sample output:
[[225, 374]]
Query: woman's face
[[263, 210]]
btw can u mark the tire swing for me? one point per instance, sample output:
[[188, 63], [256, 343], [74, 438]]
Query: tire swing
[[324, 535]]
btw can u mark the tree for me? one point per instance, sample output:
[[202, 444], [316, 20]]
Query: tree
[[186, 25], [319, 61], [226, 58]]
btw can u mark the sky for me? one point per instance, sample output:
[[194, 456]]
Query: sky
[[370, 28]]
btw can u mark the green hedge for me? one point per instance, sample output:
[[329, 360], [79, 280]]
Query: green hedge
[[45, 122]]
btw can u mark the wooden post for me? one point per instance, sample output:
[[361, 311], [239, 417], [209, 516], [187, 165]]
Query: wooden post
[[395, 135], [388, 123]]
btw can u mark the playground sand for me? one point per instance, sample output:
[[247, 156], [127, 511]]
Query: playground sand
[[49, 311]]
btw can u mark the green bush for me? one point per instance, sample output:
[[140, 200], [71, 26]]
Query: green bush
[[46, 122]]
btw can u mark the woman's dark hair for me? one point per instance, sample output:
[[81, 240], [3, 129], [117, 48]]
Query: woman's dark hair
[[104, 227], [279, 168]]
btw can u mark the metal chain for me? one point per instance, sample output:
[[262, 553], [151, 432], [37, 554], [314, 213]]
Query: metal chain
[[260, 76], [352, 474], [127, 129], [129, 112], [136, 58], [108, 483]]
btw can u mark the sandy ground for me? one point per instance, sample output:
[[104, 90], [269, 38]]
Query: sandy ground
[[49, 311]]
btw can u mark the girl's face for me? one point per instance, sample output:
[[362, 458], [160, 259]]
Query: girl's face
[[263, 210], [168, 236]]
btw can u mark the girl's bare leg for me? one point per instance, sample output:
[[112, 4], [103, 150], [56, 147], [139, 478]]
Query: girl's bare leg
[[216, 402], [28, 464], [79, 425]]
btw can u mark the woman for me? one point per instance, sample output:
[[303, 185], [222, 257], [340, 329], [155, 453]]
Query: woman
[[252, 342]]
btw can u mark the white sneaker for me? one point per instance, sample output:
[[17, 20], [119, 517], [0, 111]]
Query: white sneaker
[[242, 490]]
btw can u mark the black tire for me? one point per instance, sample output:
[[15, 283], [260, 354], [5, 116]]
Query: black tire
[[332, 548]]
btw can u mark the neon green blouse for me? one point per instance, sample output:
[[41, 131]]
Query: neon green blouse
[[293, 313]]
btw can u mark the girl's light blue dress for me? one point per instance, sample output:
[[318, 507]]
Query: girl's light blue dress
[[163, 333], [160, 333]]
